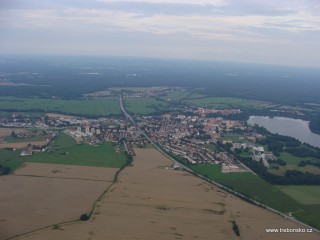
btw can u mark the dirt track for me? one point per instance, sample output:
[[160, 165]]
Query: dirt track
[[151, 202]]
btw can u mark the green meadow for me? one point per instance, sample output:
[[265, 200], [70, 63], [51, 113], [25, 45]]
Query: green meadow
[[91, 106], [64, 150], [302, 201]]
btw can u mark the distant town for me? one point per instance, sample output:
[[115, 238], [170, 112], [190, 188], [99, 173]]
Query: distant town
[[190, 136]]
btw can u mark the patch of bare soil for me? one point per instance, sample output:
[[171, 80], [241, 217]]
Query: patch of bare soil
[[150, 202]]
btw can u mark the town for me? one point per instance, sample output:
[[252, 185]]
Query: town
[[190, 136]]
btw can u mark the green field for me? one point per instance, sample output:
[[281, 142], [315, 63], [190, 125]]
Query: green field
[[290, 159], [98, 106], [64, 150], [145, 105], [223, 102], [182, 95], [281, 198], [282, 169], [307, 195]]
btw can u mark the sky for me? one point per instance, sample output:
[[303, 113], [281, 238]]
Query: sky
[[285, 32]]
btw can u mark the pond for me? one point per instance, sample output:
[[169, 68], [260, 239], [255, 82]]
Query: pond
[[296, 128]]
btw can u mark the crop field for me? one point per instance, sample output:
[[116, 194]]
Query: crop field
[[11, 139], [221, 102], [145, 105], [169, 205], [66, 151], [182, 95], [307, 195], [262, 191], [4, 132], [98, 106], [45, 194]]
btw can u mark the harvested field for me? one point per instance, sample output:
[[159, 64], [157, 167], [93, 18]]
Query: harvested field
[[152, 202], [66, 171], [57, 115], [33, 202], [23, 144], [7, 131]]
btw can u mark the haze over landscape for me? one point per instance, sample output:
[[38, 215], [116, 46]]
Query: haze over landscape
[[273, 32], [158, 119]]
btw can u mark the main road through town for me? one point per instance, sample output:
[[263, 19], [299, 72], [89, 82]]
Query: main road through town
[[131, 119]]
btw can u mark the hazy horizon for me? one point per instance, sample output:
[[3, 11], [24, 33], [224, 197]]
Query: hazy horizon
[[279, 33]]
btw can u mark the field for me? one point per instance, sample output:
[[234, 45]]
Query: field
[[152, 202], [145, 105], [290, 159], [66, 151], [256, 188], [181, 95], [307, 195], [292, 164], [137, 89], [7, 131], [19, 145], [98, 106], [37, 198], [282, 169], [221, 102], [11, 139]]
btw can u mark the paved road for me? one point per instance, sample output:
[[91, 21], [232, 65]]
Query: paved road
[[204, 178]]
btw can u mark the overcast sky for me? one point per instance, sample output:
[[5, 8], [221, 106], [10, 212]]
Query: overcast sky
[[285, 32]]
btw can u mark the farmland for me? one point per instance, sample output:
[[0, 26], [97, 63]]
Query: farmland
[[146, 105], [307, 195], [93, 107], [169, 205], [253, 186], [64, 150], [51, 194], [223, 102]]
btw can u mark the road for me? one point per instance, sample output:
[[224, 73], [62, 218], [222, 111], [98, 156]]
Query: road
[[207, 179]]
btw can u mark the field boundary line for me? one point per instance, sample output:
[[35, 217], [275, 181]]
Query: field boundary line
[[64, 178], [93, 208]]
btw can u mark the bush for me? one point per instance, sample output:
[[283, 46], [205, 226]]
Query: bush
[[84, 217]]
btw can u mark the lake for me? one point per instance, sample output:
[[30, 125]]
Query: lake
[[296, 128]]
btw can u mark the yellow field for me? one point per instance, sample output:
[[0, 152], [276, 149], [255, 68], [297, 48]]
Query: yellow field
[[45, 194], [150, 201]]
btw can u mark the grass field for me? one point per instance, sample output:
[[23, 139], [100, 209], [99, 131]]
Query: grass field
[[66, 151], [290, 159], [282, 169], [145, 105], [307, 195], [221, 102], [99, 106], [280, 198]]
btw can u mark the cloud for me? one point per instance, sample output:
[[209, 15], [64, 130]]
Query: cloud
[[203, 22]]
